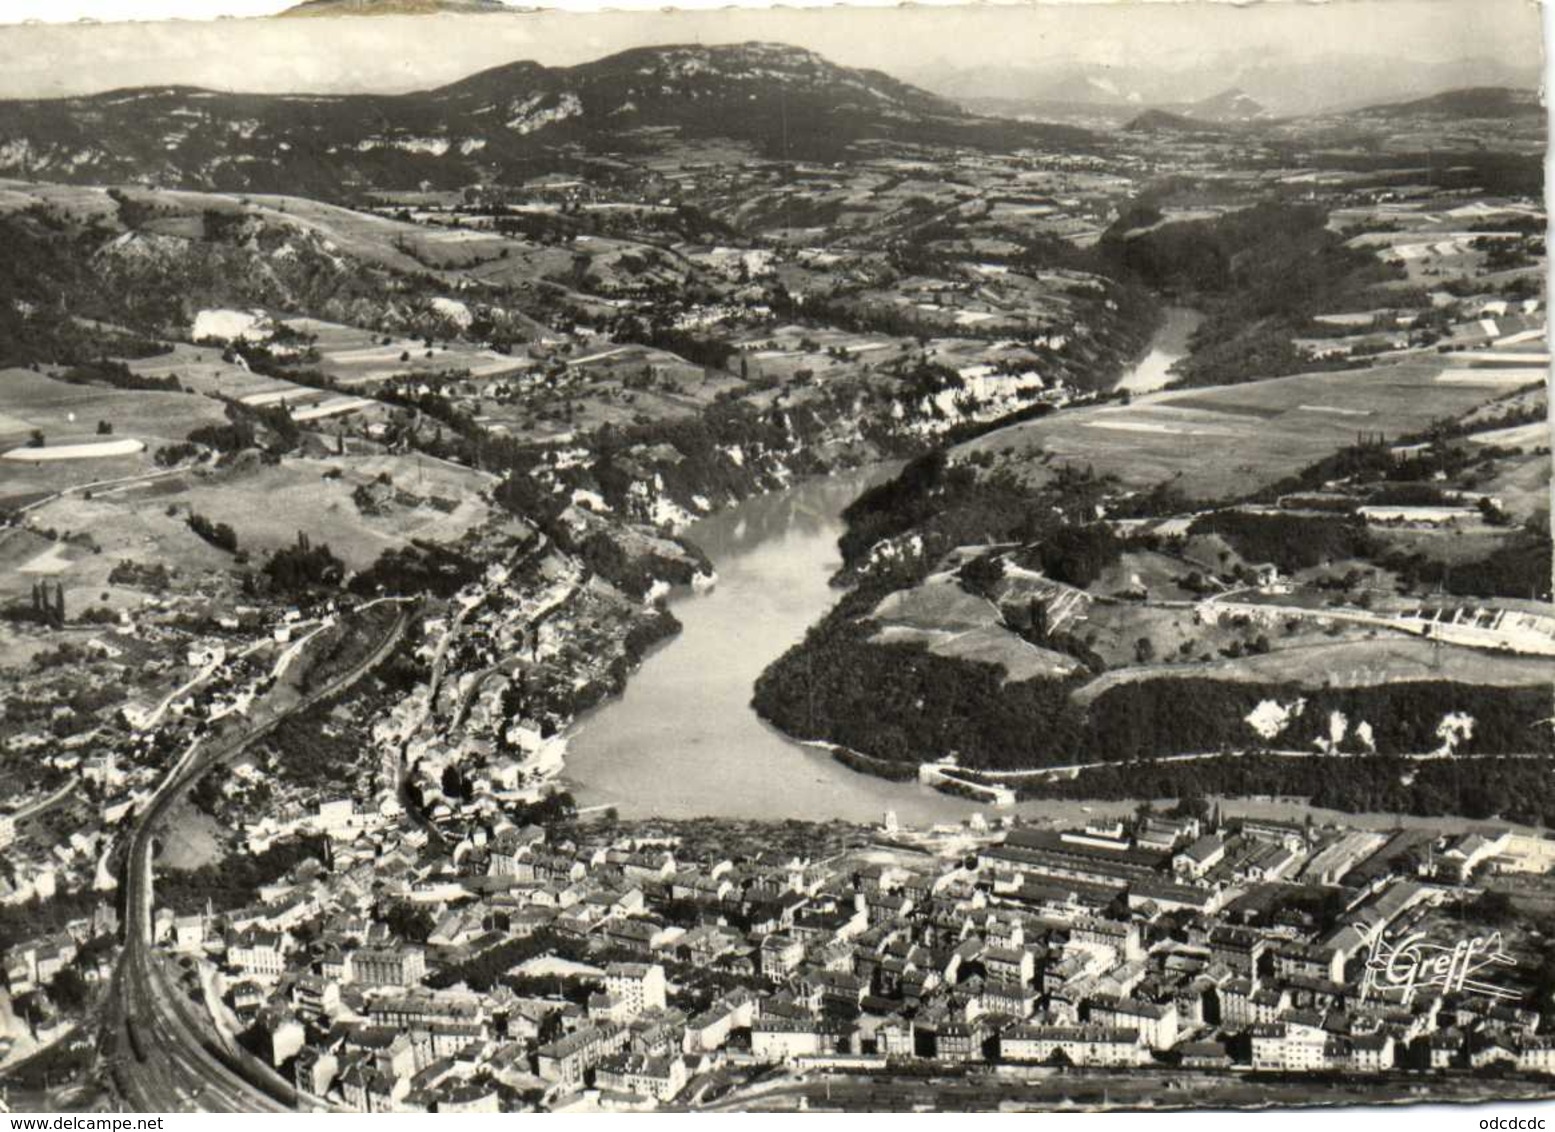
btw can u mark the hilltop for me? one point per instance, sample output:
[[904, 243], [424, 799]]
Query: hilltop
[[1164, 121], [1232, 105], [1469, 102], [502, 123]]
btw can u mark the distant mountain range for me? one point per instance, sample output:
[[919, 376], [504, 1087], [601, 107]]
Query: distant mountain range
[[1229, 88], [1234, 105], [1165, 122], [1228, 108], [523, 118], [506, 121], [1474, 102], [1454, 106]]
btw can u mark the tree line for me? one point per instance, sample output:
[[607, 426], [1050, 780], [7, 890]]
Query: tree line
[[900, 702], [1519, 790]]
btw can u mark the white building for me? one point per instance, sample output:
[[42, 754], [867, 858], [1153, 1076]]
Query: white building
[[1081, 1045], [638, 986]]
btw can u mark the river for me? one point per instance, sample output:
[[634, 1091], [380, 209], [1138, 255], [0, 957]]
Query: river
[[682, 740], [1169, 344]]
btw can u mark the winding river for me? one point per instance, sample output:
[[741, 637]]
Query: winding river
[[682, 740]]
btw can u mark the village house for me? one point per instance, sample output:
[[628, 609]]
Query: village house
[[1095, 1045], [397, 966], [777, 1038], [257, 953], [1289, 1047], [1155, 1023], [564, 1061], [660, 1078]]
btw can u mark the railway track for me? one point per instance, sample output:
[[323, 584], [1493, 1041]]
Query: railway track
[[160, 1058]]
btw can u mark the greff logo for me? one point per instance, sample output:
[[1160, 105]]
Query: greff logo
[[1413, 963]]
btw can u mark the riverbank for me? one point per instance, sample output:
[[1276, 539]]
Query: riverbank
[[1152, 370], [682, 741], [896, 711], [1259, 808], [1080, 809], [681, 738]]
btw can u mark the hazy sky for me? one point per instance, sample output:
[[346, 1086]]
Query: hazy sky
[[405, 53]]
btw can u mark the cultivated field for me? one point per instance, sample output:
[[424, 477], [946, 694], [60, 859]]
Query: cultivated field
[[1469, 543], [354, 356], [1535, 397], [147, 522], [68, 416], [1522, 484], [405, 245], [79, 450], [78, 202], [268, 505], [1532, 435], [1226, 441], [102, 531], [1350, 661], [1144, 573], [200, 368], [779, 353], [600, 383], [1113, 631]]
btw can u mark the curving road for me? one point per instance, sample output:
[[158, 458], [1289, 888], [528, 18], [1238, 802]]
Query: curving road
[[33, 809]]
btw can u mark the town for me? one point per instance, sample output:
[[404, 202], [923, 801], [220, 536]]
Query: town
[[708, 578], [590, 965]]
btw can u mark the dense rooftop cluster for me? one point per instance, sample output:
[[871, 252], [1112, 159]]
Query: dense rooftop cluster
[[595, 964]]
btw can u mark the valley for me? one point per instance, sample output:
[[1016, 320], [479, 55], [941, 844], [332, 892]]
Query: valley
[[715, 509], [593, 362]]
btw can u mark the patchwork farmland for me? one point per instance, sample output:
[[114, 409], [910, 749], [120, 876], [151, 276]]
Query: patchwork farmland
[[1245, 436]]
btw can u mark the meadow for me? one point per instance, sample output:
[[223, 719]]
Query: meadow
[[268, 504], [68, 416], [355, 356], [950, 622], [1350, 660], [1226, 441]]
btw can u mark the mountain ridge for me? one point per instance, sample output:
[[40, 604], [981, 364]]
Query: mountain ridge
[[782, 101], [1230, 105], [1464, 102], [1285, 87]]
